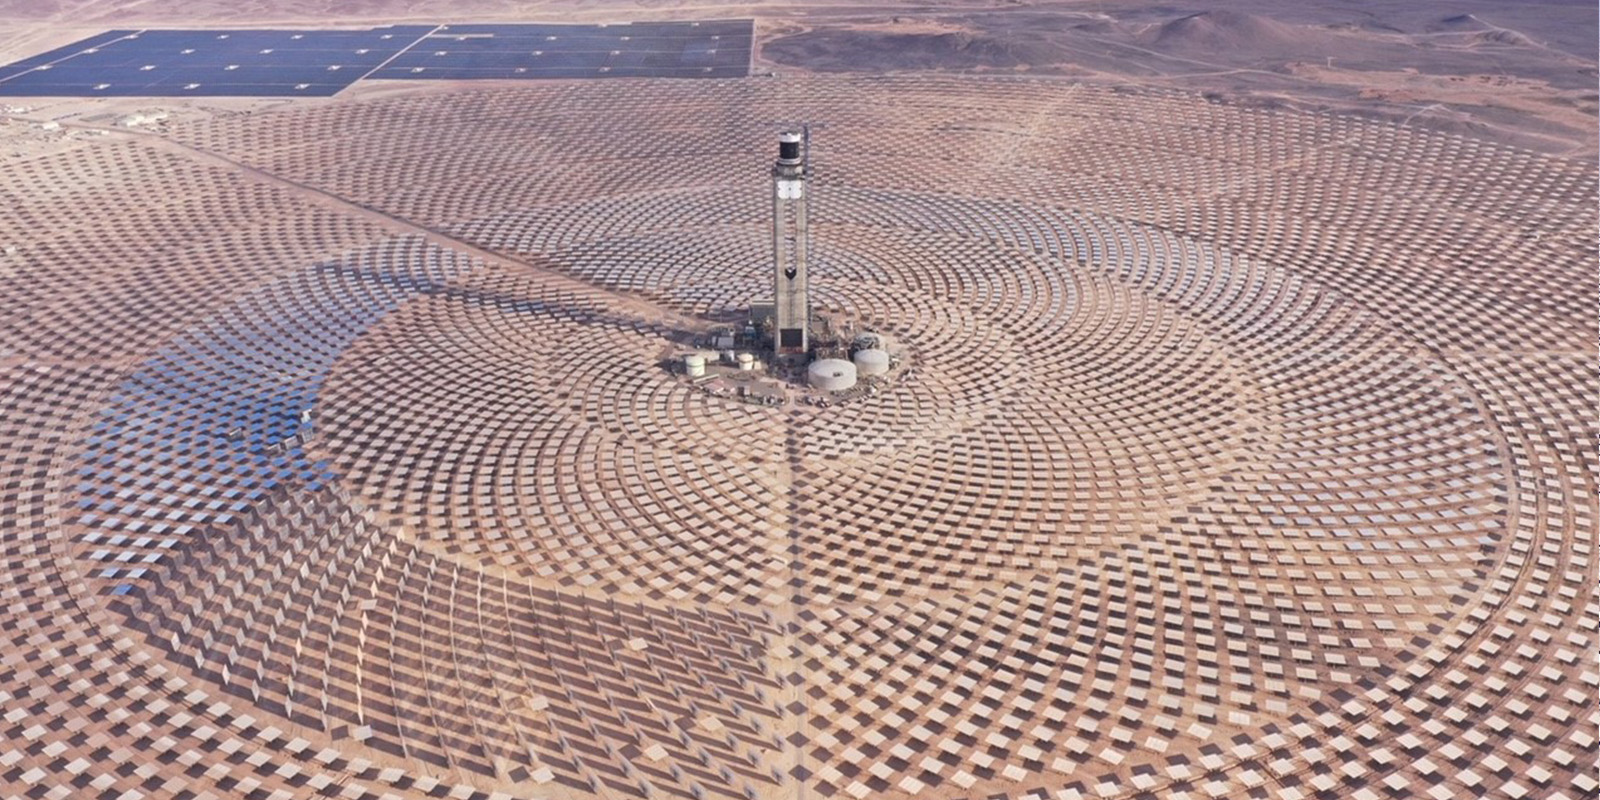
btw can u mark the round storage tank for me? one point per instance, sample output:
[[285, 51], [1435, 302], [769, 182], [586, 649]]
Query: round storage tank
[[832, 374], [872, 362], [747, 361], [695, 365]]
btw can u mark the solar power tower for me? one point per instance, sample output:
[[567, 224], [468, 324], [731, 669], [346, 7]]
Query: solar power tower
[[790, 236]]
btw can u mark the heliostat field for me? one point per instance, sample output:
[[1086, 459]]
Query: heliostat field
[[1245, 453]]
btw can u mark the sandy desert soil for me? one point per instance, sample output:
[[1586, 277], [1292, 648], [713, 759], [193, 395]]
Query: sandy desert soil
[[1236, 451], [1522, 73]]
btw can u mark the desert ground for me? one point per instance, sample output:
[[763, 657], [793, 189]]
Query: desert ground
[[1523, 73], [1240, 442]]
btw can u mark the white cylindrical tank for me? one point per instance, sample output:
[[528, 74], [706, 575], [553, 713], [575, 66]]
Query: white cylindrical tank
[[872, 361], [832, 374], [747, 361], [695, 365]]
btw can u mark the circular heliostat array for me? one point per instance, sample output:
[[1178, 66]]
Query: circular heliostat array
[[1228, 453]]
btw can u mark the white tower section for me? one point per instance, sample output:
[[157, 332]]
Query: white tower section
[[790, 335]]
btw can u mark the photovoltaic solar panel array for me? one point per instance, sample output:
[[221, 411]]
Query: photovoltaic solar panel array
[[255, 63], [266, 63], [648, 49], [88, 45]]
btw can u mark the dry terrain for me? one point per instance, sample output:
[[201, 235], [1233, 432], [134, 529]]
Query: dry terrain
[[1245, 448], [1522, 73]]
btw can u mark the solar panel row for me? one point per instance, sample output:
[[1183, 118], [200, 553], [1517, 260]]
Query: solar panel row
[[692, 29], [258, 63], [491, 57], [66, 51]]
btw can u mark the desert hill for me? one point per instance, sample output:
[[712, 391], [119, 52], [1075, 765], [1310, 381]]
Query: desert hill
[[1224, 31]]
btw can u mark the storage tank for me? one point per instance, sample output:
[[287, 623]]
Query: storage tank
[[872, 361], [747, 361], [831, 374], [695, 365]]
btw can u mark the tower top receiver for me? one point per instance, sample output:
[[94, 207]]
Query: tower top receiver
[[789, 148]]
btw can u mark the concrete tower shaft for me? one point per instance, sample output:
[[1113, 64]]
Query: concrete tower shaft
[[790, 241]]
